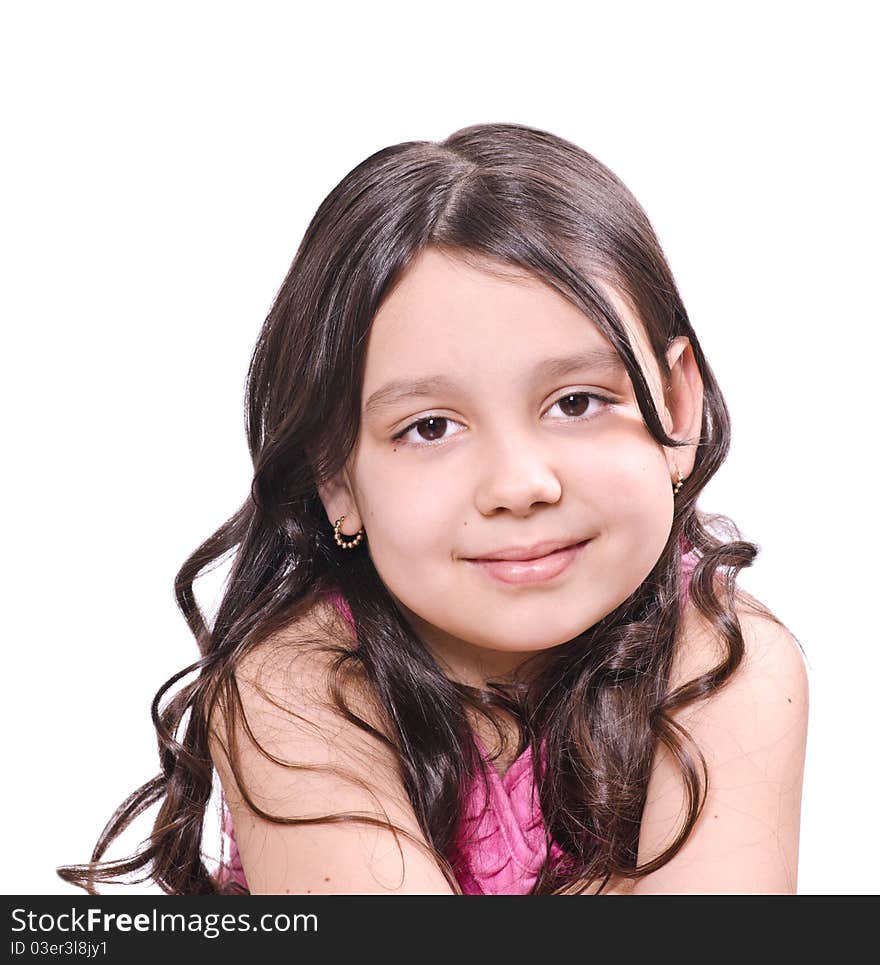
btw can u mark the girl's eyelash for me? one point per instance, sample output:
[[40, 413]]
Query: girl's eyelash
[[398, 437]]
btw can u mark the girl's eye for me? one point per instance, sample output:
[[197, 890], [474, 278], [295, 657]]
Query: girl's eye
[[579, 406]]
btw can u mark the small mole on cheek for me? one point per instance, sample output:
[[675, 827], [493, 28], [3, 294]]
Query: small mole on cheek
[[326, 879]]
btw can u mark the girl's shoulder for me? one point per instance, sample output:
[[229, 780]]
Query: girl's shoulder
[[306, 658], [751, 734], [701, 644], [294, 678], [289, 756]]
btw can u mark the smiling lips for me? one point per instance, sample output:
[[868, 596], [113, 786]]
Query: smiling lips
[[527, 552], [524, 566]]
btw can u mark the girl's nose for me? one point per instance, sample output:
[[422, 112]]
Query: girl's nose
[[516, 475]]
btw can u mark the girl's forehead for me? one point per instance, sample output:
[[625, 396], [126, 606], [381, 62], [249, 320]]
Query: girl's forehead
[[448, 313]]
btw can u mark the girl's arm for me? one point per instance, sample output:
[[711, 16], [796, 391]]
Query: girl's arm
[[333, 858], [753, 735]]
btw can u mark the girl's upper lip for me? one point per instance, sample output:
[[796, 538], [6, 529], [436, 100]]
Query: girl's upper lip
[[527, 552]]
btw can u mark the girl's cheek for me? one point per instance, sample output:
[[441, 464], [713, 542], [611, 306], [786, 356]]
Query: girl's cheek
[[636, 485]]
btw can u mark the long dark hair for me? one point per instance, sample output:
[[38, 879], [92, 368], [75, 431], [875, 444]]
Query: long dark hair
[[527, 198]]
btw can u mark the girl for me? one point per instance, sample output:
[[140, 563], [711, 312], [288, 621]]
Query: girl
[[477, 637]]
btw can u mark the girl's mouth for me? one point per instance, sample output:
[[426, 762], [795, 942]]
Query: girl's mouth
[[539, 570]]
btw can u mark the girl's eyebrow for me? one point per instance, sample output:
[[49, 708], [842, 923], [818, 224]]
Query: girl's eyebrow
[[603, 358]]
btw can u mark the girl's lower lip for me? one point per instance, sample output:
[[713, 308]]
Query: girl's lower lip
[[531, 571]]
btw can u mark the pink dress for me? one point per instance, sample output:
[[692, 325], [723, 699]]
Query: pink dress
[[500, 845]]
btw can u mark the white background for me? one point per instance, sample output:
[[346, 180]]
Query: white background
[[161, 163]]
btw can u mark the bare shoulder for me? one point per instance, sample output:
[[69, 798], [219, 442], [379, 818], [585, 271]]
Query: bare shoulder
[[289, 757], [295, 674], [764, 703], [772, 665], [312, 637], [310, 642], [751, 732]]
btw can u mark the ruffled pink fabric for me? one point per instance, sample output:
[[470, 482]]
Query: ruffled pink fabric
[[500, 846]]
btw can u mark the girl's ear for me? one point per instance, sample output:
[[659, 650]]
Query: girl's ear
[[338, 500], [685, 404], [336, 497]]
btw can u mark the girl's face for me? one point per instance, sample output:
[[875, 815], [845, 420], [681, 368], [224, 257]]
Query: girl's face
[[506, 448]]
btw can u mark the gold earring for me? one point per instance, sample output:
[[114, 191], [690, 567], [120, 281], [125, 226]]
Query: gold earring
[[680, 482], [340, 542]]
